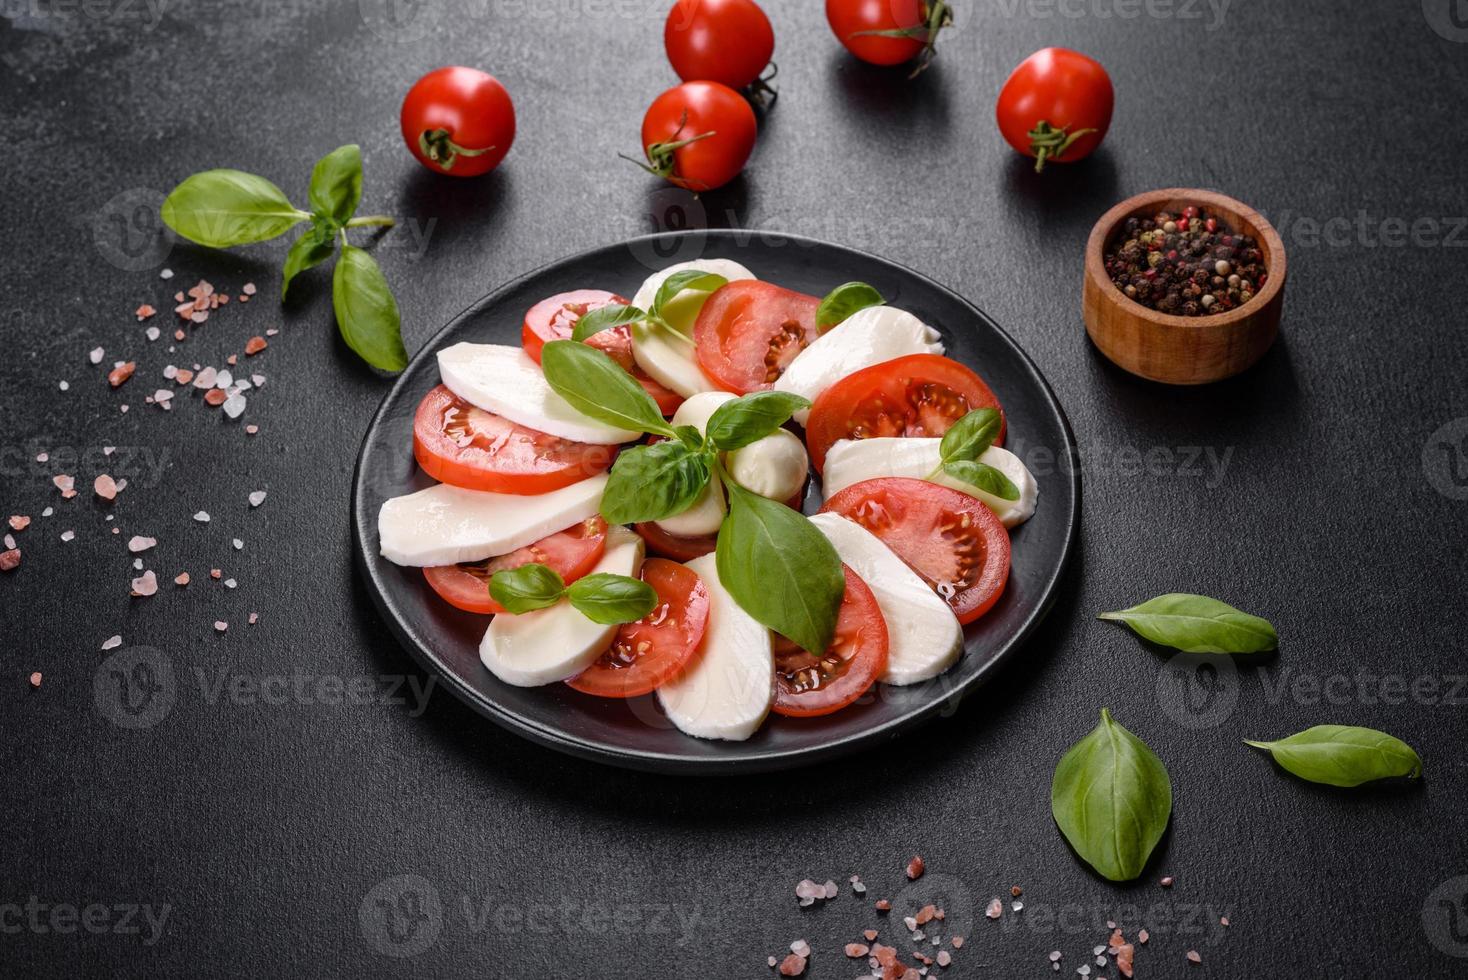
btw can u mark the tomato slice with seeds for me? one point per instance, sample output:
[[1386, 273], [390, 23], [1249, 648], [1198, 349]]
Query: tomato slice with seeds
[[916, 395], [749, 331], [950, 539], [554, 318], [655, 649], [572, 553], [468, 447], [807, 685]]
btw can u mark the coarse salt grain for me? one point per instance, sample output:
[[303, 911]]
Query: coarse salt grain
[[257, 497], [238, 544], [1193, 956], [140, 543], [152, 333], [145, 584], [234, 406], [915, 868], [202, 517], [112, 642], [19, 522], [9, 560], [105, 487], [48, 511], [220, 625], [254, 618], [182, 578], [996, 909], [35, 678], [230, 583], [95, 355], [67, 535], [166, 274]]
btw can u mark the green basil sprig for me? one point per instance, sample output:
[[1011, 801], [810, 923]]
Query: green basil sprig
[[780, 569], [650, 483], [962, 445], [738, 423], [597, 386], [224, 208], [601, 597], [1197, 624], [616, 315], [843, 301], [1340, 755], [1111, 798]]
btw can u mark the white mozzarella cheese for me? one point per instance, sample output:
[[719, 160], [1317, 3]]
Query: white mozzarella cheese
[[682, 310], [699, 408], [924, 638], [727, 691], [774, 467], [558, 642], [671, 360], [869, 336], [853, 460], [445, 524], [506, 381], [705, 516]]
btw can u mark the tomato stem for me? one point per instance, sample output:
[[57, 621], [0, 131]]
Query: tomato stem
[[661, 160], [1049, 143], [438, 145], [938, 15], [760, 91]]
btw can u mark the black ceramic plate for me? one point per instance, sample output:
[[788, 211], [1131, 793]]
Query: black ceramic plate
[[634, 733]]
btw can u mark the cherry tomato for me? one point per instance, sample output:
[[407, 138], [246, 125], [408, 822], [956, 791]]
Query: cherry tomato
[[573, 553], [725, 41], [807, 685], [916, 395], [1056, 106], [458, 121], [468, 447], [698, 135], [749, 331], [950, 539], [555, 318], [888, 32], [655, 649]]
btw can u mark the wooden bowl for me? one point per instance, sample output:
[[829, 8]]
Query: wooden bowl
[[1182, 350]]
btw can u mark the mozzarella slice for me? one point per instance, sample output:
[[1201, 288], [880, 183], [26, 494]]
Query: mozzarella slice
[[445, 524], [727, 690], [924, 638], [869, 336], [506, 381], [682, 310], [854, 460], [704, 517], [774, 467], [671, 360], [552, 644]]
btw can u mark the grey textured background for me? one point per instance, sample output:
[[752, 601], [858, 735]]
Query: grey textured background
[[271, 830]]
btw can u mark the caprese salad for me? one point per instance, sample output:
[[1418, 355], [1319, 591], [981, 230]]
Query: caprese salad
[[621, 494]]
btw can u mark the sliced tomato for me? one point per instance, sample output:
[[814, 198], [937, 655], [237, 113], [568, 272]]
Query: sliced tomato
[[554, 318], [468, 447], [950, 539], [572, 553], [655, 649], [917, 395], [749, 331], [675, 546], [807, 685]]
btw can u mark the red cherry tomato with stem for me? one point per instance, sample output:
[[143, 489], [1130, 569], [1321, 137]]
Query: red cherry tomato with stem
[[889, 32], [698, 135], [1056, 106], [458, 121], [725, 41]]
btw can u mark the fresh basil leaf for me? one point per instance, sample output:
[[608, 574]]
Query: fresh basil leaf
[[612, 599], [1111, 798], [971, 435], [983, 477], [780, 569], [735, 424], [366, 313], [686, 279], [220, 208], [336, 183], [314, 247], [1197, 624], [691, 437], [596, 385], [532, 586], [605, 318], [649, 483], [843, 301], [1340, 755]]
